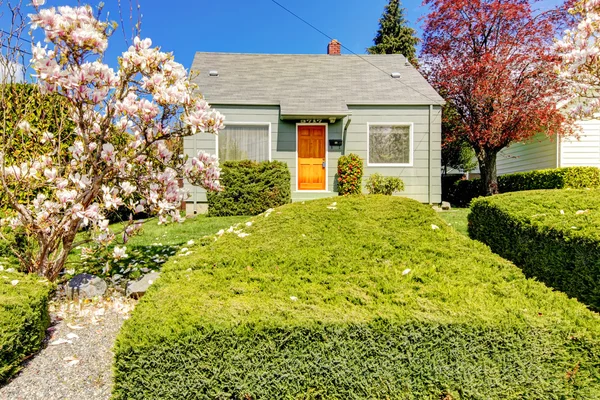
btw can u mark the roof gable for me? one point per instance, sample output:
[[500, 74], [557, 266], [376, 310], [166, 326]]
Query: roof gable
[[311, 84]]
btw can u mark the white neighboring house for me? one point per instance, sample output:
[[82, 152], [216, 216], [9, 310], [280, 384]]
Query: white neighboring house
[[542, 152], [11, 72]]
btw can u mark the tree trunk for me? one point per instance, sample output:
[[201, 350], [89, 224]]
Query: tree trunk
[[489, 176]]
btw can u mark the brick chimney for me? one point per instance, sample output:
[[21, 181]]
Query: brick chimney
[[334, 48]]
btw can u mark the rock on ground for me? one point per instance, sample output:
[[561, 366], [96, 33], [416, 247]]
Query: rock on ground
[[80, 366]]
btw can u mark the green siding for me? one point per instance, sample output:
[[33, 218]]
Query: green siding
[[283, 145], [537, 153]]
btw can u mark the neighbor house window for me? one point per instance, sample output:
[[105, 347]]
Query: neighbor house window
[[244, 142], [390, 144]]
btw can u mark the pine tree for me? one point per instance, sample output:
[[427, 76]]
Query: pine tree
[[394, 35]]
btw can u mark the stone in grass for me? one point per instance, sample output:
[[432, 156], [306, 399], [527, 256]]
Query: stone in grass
[[446, 205], [136, 289], [85, 286]]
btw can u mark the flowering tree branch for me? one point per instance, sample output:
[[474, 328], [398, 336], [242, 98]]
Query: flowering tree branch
[[119, 152]]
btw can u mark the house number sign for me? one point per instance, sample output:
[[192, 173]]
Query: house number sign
[[311, 121]]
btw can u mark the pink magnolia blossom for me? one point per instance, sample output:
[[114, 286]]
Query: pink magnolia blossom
[[121, 156]]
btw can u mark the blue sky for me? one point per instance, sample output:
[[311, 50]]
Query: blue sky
[[252, 26]]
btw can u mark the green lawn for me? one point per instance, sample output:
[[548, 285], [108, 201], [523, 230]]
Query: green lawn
[[373, 297], [457, 218], [152, 247]]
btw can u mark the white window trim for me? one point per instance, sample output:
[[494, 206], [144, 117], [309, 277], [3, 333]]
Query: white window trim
[[411, 144], [267, 124], [326, 125]]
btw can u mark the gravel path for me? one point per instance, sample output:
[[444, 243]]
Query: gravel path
[[76, 363]]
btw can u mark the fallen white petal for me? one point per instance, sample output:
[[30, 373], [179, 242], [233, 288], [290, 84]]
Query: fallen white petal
[[249, 223], [59, 341], [406, 271], [15, 282], [562, 212], [293, 298], [190, 242], [72, 336], [74, 327], [434, 227]]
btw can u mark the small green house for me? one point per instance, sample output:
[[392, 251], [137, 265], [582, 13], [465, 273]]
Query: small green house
[[308, 110]]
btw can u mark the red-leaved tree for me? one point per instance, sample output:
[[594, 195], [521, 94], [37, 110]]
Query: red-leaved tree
[[494, 61]]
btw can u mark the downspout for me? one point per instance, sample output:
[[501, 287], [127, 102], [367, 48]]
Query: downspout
[[344, 134], [429, 181]]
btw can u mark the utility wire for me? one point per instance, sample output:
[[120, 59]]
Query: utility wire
[[16, 36], [352, 52], [15, 49]]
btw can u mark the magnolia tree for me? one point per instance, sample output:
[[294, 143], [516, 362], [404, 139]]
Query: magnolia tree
[[123, 123], [580, 54]]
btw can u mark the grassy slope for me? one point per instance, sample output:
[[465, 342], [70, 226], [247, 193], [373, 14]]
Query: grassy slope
[[23, 319], [463, 319], [457, 218]]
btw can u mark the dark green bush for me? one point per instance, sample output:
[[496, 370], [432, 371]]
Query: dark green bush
[[375, 299], [250, 188], [561, 249], [23, 319], [350, 173], [462, 192], [379, 184]]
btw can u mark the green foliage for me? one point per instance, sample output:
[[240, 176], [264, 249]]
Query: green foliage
[[23, 319], [250, 188], [456, 218], [350, 173], [457, 152], [379, 184], [561, 249], [314, 304], [394, 35], [463, 192]]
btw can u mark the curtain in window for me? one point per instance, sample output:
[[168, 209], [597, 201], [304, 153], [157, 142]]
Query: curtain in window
[[389, 144], [244, 142]]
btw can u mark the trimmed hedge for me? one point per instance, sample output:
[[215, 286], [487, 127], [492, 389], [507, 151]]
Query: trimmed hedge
[[387, 185], [560, 249], [462, 192], [374, 298], [250, 188], [24, 319]]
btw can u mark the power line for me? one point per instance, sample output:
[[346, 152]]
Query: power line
[[350, 50], [15, 49], [16, 36]]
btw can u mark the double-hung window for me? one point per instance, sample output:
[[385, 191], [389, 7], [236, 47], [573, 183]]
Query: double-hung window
[[390, 144], [244, 142]]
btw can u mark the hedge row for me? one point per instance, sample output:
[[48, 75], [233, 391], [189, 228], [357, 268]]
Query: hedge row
[[462, 192], [23, 319], [250, 188], [553, 236], [375, 298]]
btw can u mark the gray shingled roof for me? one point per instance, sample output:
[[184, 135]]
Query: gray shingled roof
[[310, 84]]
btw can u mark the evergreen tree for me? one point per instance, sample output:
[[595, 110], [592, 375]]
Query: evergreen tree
[[394, 35]]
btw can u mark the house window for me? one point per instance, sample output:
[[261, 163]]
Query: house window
[[244, 142], [390, 144]]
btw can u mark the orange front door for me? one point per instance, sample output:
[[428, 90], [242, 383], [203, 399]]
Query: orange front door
[[311, 157]]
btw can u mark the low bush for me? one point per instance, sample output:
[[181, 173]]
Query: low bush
[[553, 235], [23, 319], [375, 298], [250, 188], [379, 184], [462, 192], [350, 173]]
